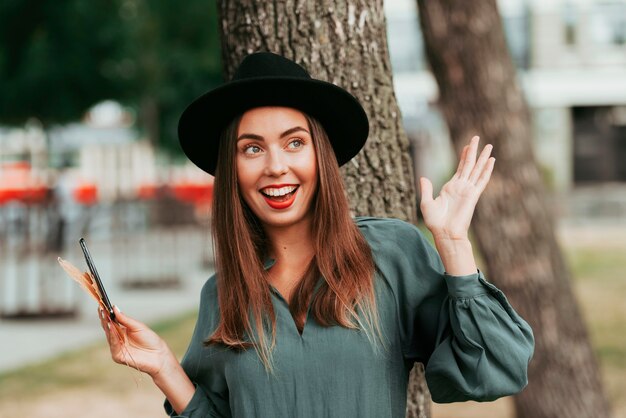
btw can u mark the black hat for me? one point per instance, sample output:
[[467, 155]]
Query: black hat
[[267, 79]]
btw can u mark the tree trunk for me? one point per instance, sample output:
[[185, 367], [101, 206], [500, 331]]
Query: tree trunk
[[513, 226], [343, 42]]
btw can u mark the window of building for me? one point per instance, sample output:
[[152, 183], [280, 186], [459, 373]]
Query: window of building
[[599, 144], [570, 22], [608, 23]]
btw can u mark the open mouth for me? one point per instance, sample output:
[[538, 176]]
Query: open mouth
[[280, 197]]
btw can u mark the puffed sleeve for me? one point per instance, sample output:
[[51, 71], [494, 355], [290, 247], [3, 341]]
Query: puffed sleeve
[[204, 402], [473, 344], [482, 346]]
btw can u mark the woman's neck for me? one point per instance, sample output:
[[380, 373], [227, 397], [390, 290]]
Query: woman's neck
[[291, 246]]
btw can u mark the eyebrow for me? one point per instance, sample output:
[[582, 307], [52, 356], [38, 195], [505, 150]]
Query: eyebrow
[[284, 134]]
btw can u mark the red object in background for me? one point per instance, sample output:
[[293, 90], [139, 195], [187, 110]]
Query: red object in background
[[86, 193], [196, 193], [34, 194], [147, 191], [17, 183], [5, 196]]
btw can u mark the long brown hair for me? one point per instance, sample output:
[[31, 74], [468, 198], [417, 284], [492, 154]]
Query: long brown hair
[[342, 257]]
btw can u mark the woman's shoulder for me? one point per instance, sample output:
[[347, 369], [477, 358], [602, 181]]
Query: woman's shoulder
[[208, 309], [387, 230], [379, 222], [394, 239], [208, 294], [210, 286]]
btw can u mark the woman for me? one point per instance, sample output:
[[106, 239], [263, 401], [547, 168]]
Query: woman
[[337, 310]]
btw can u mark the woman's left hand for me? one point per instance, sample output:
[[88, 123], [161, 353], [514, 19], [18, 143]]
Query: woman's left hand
[[448, 216]]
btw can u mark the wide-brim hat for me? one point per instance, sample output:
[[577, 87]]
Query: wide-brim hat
[[267, 79]]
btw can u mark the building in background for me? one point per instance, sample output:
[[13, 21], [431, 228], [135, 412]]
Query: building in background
[[571, 61], [103, 157], [146, 217]]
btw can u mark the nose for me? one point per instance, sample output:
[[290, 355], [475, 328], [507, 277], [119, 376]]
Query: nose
[[276, 164]]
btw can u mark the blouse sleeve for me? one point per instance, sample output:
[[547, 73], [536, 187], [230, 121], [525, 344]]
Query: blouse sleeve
[[474, 346], [202, 403], [482, 346], [200, 406]]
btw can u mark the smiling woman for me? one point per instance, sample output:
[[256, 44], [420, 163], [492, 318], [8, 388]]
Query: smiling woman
[[276, 165], [265, 151], [336, 309]]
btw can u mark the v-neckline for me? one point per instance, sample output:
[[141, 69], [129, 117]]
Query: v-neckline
[[293, 320], [267, 264]]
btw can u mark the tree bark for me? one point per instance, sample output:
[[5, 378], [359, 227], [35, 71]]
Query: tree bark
[[343, 42], [513, 225]]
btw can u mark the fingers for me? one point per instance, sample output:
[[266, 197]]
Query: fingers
[[480, 164], [426, 188], [475, 171], [127, 321], [115, 345], [103, 321], [469, 159], [486, 174], [459, 168]]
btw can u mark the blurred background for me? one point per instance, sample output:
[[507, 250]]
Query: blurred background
[[90, 94]]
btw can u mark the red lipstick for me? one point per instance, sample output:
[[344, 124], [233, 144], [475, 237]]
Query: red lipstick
[[282, 204]]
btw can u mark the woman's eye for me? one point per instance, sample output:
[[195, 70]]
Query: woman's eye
[[296, 143], [251, 149]]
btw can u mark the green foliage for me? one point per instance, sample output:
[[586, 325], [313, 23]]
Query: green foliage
[[177, 54], [58, 58]]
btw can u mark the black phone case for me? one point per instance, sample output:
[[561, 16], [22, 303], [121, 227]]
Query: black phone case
[[96, 276]]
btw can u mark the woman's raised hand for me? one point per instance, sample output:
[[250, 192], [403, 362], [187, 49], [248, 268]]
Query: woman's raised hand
[[144, 349], [448, 216]]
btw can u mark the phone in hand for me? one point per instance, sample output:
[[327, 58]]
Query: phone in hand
[[96, 276]]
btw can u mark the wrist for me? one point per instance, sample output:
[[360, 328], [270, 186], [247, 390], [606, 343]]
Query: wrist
[[169, 367], [445, 242], [457, 256], [172, 380], [454, 250]]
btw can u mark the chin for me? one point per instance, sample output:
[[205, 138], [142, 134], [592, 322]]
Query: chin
[[282, 221], [280, 218]]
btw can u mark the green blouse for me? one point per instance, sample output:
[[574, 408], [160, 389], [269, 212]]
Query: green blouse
[[473, 344]]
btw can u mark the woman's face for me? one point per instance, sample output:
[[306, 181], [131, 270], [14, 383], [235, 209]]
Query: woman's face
[[276, 165]]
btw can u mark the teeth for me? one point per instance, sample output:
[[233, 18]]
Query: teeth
[[279, 192]]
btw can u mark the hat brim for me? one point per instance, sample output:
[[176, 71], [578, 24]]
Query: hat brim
[[203, 121]]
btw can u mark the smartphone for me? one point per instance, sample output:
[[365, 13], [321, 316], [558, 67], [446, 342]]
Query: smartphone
[[96, 276]]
